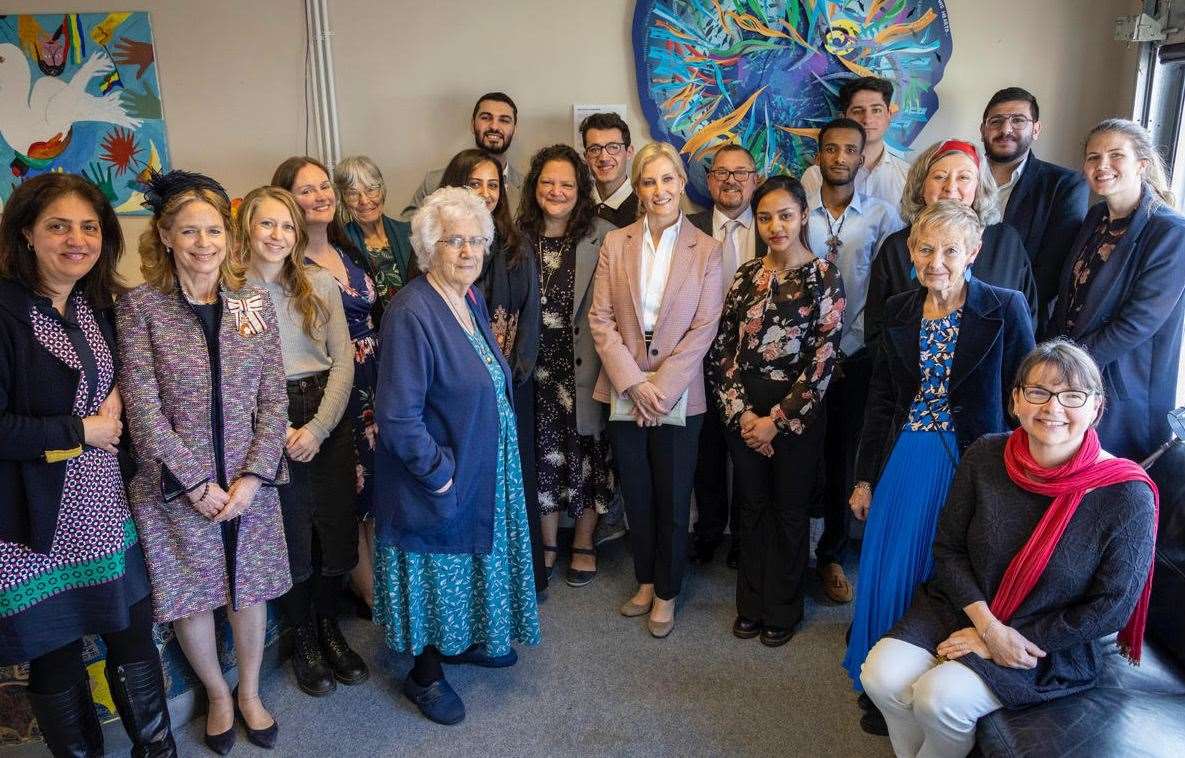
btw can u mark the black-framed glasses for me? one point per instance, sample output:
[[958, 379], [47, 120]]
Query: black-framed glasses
[[1068, 398], [722, 174], [1015, 120], [613, 148]]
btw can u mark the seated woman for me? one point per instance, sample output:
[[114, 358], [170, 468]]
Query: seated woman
[[1045, 545], [939, 383], [453, 574], [771, 364], [949, 170]]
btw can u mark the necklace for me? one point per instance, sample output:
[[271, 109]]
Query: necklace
[[466, 323], [542, 267], [197, 300], [833, 241]]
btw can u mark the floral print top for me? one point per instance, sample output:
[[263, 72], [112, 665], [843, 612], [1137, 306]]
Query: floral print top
[[782, 325], [388, 280], [1094, 255], [930, 411]]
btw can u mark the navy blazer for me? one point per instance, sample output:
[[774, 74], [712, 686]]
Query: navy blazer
[[995, 334], [1046, 207], [437, 416], [1131, 324]]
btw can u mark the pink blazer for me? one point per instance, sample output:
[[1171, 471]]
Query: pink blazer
[[687, 316]]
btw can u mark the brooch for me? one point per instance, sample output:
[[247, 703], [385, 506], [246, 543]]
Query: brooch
[[248, 313]]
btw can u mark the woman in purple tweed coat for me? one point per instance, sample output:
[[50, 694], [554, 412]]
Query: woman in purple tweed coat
[[203, 384]]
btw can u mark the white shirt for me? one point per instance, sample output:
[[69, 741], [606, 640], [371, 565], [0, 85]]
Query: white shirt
[[656, 267], [1006, 189], [744, 241], [619, 196], [885, 181]]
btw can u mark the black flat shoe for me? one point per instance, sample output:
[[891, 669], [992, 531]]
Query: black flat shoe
[[865, 702], [578, 577], [221, 743], [703, 551], [734, 556], [347, 666], [746, 629], [873, 722], [549, 571], [438, 701], [775, 636], [264, 738]]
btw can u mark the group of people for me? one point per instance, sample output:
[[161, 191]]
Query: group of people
[[312, 394]]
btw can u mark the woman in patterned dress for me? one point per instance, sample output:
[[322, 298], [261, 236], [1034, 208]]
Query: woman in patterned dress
[[942, 379], [562, 233], [203, 382], [385, 241], [330, 248], [772, 361], [70, 560], [453, 573]]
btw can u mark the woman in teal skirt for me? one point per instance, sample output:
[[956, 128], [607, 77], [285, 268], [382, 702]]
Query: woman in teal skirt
[[454, 581], [944, 366]]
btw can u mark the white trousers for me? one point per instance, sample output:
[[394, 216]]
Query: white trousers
[[930, 706]]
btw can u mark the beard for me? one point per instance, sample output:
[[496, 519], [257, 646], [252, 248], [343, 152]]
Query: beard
[[502, 146], [841, 181], [1008, 152]]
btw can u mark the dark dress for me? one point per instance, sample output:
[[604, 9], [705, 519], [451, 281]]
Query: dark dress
[[574, 470], [358, 300], [389, 267], [1087, 591]]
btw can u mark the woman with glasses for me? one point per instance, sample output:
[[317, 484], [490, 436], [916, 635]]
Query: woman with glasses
[[385, 242], [1044, 547], [940, 382], [454, 579]]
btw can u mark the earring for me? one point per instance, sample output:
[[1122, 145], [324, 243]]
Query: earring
[[967, 274]]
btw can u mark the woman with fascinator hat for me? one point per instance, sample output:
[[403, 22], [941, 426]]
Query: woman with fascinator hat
[[204, 388]]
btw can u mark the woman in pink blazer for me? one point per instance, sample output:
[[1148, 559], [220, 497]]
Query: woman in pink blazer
[[656, 305]]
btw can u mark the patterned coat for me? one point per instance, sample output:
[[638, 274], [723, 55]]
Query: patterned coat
[[165, 379]]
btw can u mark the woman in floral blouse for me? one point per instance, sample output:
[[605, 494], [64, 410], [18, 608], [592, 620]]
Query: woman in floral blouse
[[773, 358]]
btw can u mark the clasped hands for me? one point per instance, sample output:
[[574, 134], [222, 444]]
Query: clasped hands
[[218, 504], [758, 432], [301, 444], [649, 402], [104, 429], [997, 642]]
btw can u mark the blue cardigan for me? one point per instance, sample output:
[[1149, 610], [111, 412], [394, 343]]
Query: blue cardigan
[[437, 417]]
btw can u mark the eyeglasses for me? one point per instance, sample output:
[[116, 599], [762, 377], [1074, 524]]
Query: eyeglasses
[[457, 242], [1015, 120], [613, 148], [1067, 398], [371, 193], [722, 174]]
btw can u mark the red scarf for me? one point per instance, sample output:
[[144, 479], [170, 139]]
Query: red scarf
[[1067, 484]]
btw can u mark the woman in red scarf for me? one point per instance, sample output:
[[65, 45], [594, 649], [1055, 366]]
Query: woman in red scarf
[[1044, 547]]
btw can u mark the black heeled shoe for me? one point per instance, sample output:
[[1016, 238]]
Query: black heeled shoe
[[221, 743], [264, 738]]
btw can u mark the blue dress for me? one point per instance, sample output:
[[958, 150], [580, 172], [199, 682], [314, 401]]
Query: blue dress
[[898, 550], [454, 601]]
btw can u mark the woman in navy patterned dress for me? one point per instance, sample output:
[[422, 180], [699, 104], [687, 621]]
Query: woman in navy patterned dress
[[70, 558], [947, 356]]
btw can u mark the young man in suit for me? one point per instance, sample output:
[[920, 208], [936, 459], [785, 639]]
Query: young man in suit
[[607, 151]]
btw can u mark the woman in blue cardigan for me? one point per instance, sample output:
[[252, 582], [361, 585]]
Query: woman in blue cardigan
[[453, 572], [1122, 286]]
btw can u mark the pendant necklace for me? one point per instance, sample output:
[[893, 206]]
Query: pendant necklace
[[543, 266], [833, 241]]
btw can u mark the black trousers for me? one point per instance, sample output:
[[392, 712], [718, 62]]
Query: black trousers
[[774, 514], [524, 415], [845, 400], [61, 669], [657, 466], [714, 509]]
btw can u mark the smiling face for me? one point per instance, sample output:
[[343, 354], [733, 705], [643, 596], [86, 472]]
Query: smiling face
[[940, 256], [556, 190], [1004, 141], [486, 180], [1051, 426], [841, 153], [659, 188], [273, 231], [67, 240], [493, 126], [198, 240], [869, 109], [607, 169], [1111, 165], [731, 195], [364, 203], [314, 193], [779, 220], [458, 266], [953, 177]]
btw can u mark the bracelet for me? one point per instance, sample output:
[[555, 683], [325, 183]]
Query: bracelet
[[205, 491], [863, 486]]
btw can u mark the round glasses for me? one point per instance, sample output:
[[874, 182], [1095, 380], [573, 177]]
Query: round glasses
[[370, 193], [457, 242], [612, 148], [1067, 398]]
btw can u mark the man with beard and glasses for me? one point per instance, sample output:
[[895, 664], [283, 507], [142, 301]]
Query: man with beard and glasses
[[846, 227], [867, 100], [494, 119], [607, 151], [732, 180], [1044, 202]]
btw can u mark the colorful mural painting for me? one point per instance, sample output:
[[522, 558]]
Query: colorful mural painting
[[79, 93], [766, 73]]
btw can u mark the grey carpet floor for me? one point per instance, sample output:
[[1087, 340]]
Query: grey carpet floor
[[598, 685]]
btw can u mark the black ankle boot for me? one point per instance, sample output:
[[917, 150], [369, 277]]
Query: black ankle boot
[[68, 722], [312, 675], [138, 690], [348, 667]]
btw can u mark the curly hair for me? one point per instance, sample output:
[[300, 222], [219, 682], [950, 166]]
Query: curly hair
[[294, 277], [530, 216], [427, 225], [987, 193], [156, 261], [457, 174], [18, 261]]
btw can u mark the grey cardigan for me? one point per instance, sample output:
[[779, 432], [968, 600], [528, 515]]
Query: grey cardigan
[[590, 414]]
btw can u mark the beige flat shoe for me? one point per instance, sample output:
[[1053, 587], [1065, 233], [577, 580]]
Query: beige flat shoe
[[660, 629], [836, 586], [630, 609]]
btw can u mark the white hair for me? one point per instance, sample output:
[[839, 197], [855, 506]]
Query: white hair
[[451, 203]]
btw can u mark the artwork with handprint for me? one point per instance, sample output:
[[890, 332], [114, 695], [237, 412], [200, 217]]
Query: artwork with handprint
[[766, 73], [79, 93]]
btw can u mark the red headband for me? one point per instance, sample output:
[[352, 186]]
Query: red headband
[[960, 146]]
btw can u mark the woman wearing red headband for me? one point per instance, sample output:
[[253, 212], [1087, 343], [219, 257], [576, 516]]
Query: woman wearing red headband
[[1044, 546], [949, 170]]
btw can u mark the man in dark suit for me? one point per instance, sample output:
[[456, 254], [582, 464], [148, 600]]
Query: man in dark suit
[[1043, 201], [731, 183], [607, 151]]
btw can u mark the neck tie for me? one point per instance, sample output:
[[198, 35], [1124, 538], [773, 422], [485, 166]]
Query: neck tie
[[731, 258]]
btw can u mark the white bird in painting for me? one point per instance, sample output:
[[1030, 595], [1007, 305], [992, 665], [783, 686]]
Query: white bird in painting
[[36, 120]]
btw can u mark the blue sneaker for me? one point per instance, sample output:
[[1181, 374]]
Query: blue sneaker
[[438, 701], [476, 656]]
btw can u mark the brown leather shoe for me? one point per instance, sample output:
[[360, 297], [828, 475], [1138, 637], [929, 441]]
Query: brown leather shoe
[[835, 583], [630, 609]]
